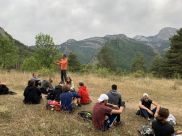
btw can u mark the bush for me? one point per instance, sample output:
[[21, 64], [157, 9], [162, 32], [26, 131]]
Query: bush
[[30, 64], [46, 72]]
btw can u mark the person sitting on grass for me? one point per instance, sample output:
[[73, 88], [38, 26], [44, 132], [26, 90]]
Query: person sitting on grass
[[32, 94], [70, 83], [68, 99], [145, 107], [36, 80], [104, 114], [5, 90], [115, 98], [46, 86], [83, 93], [161, 127]]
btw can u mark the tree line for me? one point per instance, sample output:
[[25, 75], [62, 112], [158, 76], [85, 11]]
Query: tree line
[[45, 54]]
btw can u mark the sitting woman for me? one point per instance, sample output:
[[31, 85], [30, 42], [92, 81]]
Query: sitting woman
[[83, 93], [69, 82], [32, 94]]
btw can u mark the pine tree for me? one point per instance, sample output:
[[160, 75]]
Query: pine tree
[[157, 66], [74, 64], [173, 63], [138, 63]]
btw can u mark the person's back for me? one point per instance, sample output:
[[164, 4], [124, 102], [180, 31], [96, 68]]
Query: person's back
[[83, 93], [66, 100], [114, 96], [58, 90], [32, 94]]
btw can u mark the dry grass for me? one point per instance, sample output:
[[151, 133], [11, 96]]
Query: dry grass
[[33, 120]]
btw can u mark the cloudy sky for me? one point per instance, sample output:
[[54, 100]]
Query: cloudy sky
[[79, 19]]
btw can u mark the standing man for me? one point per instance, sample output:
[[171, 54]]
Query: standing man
[[63, 63]]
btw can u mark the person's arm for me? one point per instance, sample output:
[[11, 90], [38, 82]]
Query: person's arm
[[145, 108], [112, 105], [158, 108], [178, 132], [119, 111]]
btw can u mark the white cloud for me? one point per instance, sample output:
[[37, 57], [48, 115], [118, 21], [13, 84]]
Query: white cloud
[[79, 19]]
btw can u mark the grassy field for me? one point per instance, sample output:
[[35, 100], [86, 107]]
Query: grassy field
[[17, 119]]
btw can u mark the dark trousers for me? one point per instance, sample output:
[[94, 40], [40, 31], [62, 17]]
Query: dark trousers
[[63, 76], [109, 122], [144, 113]]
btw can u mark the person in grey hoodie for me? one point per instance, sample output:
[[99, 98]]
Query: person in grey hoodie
[[115, 98]]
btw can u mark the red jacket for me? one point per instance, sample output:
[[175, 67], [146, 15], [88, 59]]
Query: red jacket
[[83, 93]]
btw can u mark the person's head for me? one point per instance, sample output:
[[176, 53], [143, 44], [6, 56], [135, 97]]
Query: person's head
[[68, 79], [34, 75], [66, 88], [145, 97], [50, 80], [31, 83], [114, 87], [103, 98], [64, 56], [81, 83], [163, 114]]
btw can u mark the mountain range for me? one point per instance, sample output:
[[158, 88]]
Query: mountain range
[[123, 48], [88, 49]]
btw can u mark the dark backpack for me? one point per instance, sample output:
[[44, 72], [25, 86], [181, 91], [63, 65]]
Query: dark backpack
[[85, 115]]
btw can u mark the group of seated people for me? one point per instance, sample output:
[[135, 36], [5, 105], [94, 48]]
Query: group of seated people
[[65, 94], [106, 113]]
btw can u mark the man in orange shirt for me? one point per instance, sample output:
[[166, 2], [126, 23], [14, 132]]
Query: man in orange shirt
[[63, 63]]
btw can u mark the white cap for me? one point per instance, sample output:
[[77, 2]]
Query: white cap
[[103, 97], [145, 94]]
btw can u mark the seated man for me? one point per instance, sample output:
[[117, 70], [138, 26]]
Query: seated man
[[145, 107], [115, 98], [32, 94], [68, 99], [161, 127], [105, 114], [83, 93]]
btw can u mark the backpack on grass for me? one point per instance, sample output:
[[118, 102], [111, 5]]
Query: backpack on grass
[[53, 105], [146, 130], [85, 115]]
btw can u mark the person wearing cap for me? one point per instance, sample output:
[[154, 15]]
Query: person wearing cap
[[63, 63], [83, 93], [104, 114], [161, 127], [145, 107]]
